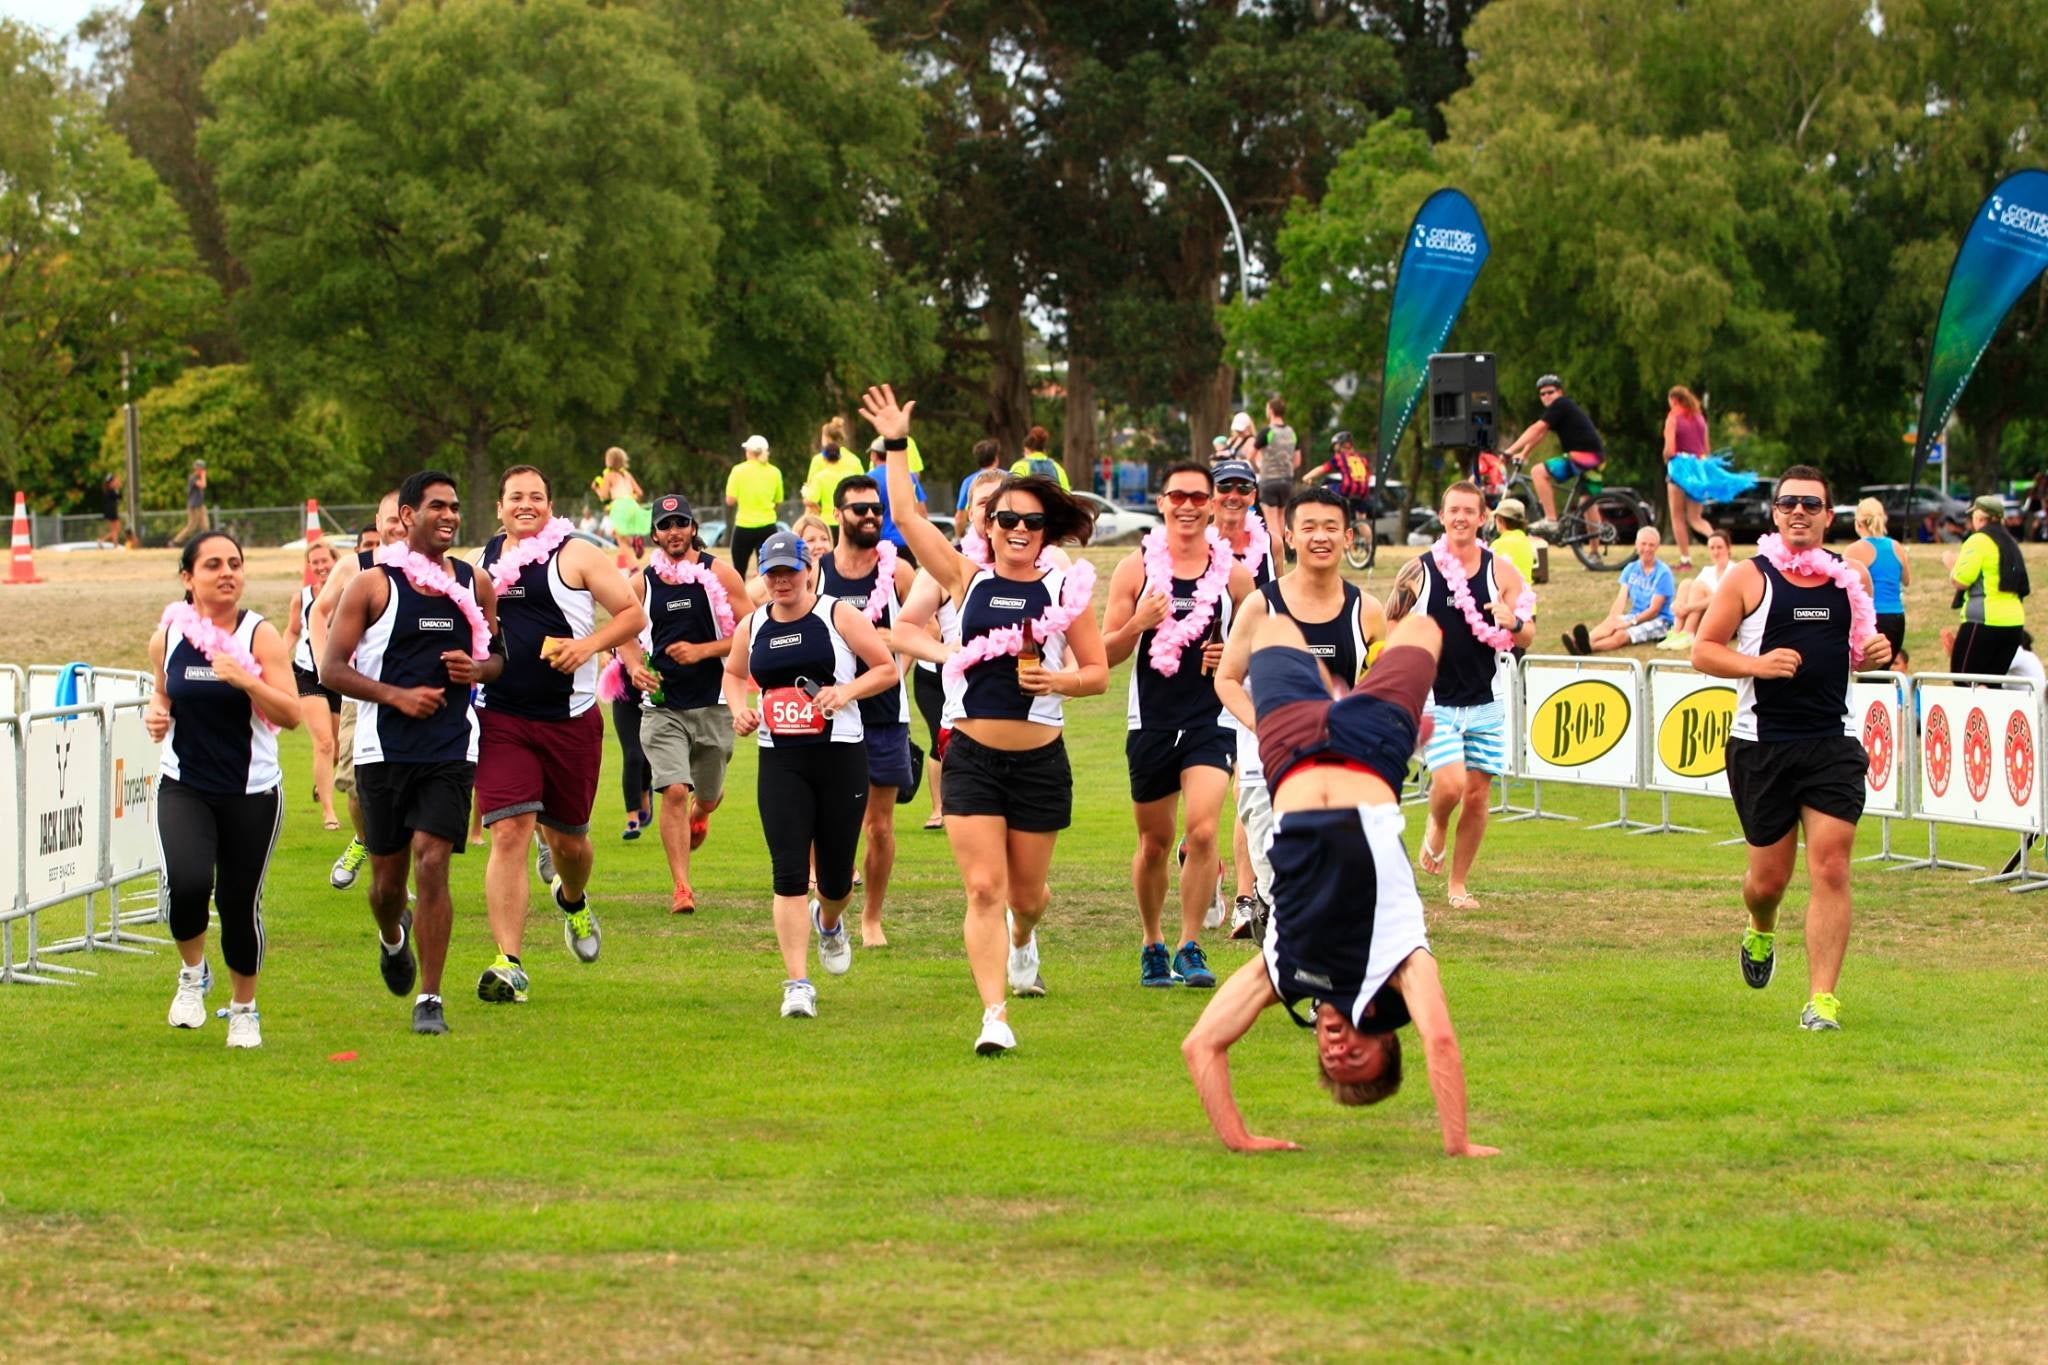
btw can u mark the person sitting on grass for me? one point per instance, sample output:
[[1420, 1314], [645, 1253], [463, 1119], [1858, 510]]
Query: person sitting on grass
[[1696, 592], [1347, 929], [1641, 613]]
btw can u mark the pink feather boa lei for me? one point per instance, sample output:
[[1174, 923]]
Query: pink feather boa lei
[[1815, 562], [210, 640], [1259, 549], [535, 549], [612, 680], [1076, 593], [885, 580], [1485, 631], [1177, 633], [437, 580]]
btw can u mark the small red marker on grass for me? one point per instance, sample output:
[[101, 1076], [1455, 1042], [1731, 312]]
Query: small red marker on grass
[[341, 1056]]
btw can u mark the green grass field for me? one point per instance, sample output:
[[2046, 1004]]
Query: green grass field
[[645, 1161]]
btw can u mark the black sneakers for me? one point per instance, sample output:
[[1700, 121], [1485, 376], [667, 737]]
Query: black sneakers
[[401, 969], [428, 1018]]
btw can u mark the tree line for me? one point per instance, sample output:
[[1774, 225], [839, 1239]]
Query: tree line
[[334, 241]]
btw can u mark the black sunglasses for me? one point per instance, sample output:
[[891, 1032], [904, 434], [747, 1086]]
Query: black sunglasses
[[674, 521], [1804, 502], [1030, 521], [861, 509], [1237, 486]]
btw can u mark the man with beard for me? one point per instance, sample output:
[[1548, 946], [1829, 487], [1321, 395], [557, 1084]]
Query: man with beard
[[1170, 603], [1339, 623], [685, 728], [869, 573], [390, 530], [410, 640], [1789, 627], [543, 736]]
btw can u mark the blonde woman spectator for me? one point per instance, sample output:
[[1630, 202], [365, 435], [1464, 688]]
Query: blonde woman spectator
[[621, 494], [1879, 553], [1696, 592]]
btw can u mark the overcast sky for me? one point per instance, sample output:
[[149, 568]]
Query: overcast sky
[[59, 16]]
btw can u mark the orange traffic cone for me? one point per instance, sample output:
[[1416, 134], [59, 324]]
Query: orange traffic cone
[[23, 570], [312, 536]]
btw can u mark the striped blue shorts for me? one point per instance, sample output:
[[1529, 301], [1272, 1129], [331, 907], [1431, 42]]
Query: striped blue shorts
[[1476, 736]]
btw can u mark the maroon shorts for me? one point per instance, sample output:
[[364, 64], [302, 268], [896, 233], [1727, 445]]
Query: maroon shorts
[[543, 767]]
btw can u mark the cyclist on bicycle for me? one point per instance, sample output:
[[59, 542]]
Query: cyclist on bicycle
[[1584, 451], [1350, 471]]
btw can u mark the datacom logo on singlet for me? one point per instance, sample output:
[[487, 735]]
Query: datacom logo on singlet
[[1579, 722]]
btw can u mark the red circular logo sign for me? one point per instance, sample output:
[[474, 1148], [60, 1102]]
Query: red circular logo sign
[[1977, 754], [1936, 748], [2019, 759], [1877, 744]]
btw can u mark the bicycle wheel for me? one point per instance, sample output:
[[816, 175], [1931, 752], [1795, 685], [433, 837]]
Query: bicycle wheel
[[1587, 539], [1364, 544]]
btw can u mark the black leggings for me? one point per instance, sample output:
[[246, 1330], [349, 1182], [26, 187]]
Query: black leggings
[[634, 778], [218, 848], [813, 796], [930, 690], [1984, 649], [746, 540]]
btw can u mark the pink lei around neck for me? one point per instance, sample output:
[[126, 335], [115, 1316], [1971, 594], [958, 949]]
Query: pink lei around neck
[[1077, 589], [438, 580], [534, 549], [214, 642], [1176, 633], [1486, 632], [1815, 562], [676, 572]]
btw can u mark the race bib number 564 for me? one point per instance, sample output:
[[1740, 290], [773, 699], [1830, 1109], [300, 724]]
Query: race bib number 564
[[786, 711]]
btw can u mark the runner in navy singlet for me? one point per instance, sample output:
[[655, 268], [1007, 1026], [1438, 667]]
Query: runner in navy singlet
[[403, 651], [849, 573], [1340, 621], [218, 808], [1794, 761], [685, 727], [1009, 789], [389, 531], [1346, 936], [1176, 746], [318, 705], [1469, 743], [542, 732]]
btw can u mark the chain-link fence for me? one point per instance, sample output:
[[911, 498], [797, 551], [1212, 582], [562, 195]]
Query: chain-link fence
[[255, 527]]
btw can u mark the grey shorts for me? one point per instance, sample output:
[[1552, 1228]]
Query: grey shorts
[[345, 750], [688, 748]]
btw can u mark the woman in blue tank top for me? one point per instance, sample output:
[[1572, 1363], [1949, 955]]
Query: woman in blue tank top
[[1879, 553], [1009, 789], [224, 689]]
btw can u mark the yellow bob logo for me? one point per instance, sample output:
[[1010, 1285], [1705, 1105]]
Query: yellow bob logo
[[1693, 739], [1578, 723]]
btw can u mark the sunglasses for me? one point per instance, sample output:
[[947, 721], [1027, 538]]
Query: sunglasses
[[666, 522], [1194, 497], [1030, 521], [1805, 502], [1235, 486], [861, 509]]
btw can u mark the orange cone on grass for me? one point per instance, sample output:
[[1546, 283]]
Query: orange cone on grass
[[23, 568]]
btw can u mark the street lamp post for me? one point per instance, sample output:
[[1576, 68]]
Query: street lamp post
[[1237, 236]]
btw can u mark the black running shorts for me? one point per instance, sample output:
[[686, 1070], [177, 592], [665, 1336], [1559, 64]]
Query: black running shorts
[[1031, 789], [1773, 781], [402, 799]]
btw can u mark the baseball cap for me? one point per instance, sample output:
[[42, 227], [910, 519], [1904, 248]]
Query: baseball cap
[[784, 550], [199, 464], [1240, 470], [755, 442], [1511, 509], [875, 447], [1241, 422], [672, 505]]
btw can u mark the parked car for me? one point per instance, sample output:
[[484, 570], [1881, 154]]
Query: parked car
[[1746, 515], [1115, 522], [1922, 501]]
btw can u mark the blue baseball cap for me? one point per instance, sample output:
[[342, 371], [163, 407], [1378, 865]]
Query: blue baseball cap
[[784, 550], [1240, 470]]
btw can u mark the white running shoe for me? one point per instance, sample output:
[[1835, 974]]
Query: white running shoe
[[188, 1006], [245, 1028], [996, 1037], [1024, 977], [543, 860], [799, 1000], [1218, 910], [835, 949]]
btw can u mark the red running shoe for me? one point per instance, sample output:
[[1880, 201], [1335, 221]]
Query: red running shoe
[[685, 902]]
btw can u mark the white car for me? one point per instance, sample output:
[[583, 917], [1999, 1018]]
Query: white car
[[1113, 521]]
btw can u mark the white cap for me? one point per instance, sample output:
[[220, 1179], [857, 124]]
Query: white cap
[[1241, 422], [755, 442]]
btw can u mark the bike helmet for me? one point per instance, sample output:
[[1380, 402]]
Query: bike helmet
[[1340, 440], [1549, 381]]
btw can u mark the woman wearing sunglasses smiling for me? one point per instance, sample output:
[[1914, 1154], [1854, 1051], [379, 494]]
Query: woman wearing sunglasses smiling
[[1028, 640]]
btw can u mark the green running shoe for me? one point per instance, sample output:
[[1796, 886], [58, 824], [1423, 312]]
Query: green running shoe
[[1822, 1013], [343, 874], [503, 983], [579, 925], [1759, 957]]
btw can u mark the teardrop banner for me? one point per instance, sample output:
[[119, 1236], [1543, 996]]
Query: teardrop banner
[[1445, 248], [2003, 253]]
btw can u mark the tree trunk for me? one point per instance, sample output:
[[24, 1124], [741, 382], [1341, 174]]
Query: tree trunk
[[1209, 410], [1081, 451], [481, 492], [1986, 473], [1009, 382]]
